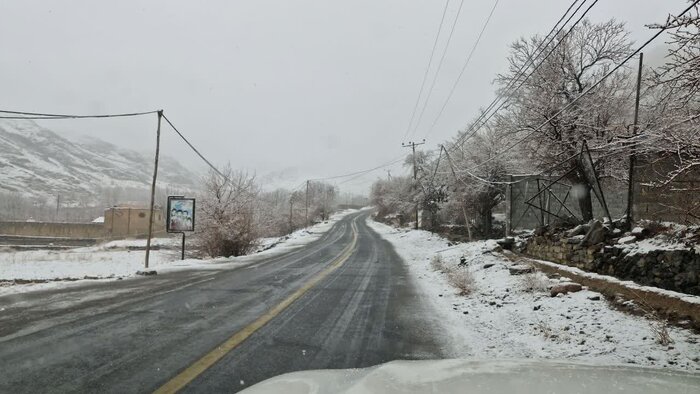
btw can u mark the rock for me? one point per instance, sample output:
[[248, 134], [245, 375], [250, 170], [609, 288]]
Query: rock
[[564, 288], [488, 265], [639, 231], [595, 235], [520, 269], [462, 261], [581, 229], [146, 273], [626, 240], [506, 243], [594, 298], [576, 239], [536, 307]]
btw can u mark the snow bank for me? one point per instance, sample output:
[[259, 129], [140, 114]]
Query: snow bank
[[501, 319]]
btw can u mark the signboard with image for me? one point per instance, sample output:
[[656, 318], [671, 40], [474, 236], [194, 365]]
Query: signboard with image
[[180, 215]]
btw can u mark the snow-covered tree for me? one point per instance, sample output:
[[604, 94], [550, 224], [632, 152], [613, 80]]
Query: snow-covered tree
[[670, 126], [226, 214], [579, 61]]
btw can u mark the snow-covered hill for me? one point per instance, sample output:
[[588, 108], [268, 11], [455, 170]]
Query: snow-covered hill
[[38, 162]]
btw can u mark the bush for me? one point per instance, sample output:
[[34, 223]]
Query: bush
[[438, 264], [462, 279], [535, 282]]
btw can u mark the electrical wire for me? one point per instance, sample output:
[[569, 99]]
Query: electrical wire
[[36, 115], [479, 122], [588, 90], [464, 67], [439, 67], [504, 102], [213, 167], [427, 69]]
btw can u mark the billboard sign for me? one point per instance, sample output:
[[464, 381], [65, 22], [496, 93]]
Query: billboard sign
[[180, 215]]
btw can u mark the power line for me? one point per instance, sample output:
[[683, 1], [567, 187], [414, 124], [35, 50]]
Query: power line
[[195, 149], [588, 90], [425, 75], [439, 67], [362, 172], [36, 115], [464, 67], [507, 91]]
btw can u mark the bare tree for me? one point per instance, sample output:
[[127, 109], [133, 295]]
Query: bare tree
[[579, 60], [480, 169], [393, 197], [226, 214], [671, 128]]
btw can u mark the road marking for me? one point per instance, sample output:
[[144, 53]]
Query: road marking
[[198, 367]]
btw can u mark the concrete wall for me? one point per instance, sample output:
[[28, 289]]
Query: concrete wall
[[45, 229], [132, 222], [119, 223]]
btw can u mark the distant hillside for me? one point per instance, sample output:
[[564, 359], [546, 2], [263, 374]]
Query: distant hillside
[[35, 161]]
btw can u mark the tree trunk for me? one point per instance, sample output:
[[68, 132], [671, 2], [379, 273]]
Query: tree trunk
[[487, 222]]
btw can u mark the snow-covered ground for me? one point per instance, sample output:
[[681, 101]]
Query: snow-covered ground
[[114, 259], [500, 318]]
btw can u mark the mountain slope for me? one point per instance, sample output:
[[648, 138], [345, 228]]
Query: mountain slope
[[38, 162]]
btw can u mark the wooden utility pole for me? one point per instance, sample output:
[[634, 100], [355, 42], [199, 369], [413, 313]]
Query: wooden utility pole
[[413, 145], [307, 204], [153, 192], [291, 222], [633, 159]]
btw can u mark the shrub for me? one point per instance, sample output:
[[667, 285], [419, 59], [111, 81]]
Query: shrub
[[535, 282], [462, 279], [438, 264]]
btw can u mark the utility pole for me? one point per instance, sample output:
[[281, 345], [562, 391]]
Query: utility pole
[[633, 159], [413, 145], [307, 204], [388, 175], [58, 204], [153, 192], [291, 222]]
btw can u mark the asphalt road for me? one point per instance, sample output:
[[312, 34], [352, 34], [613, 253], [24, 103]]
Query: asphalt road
[[343, 301]]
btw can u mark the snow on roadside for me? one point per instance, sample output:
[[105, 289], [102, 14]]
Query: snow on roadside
[[500, 319], [115, 260]]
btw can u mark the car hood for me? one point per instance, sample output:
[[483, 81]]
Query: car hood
[[473, 376]]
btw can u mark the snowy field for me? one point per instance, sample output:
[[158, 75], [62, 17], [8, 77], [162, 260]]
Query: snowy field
[[114, 259], [514, 316]]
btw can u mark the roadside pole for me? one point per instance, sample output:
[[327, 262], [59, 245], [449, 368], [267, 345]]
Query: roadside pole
[[412, 145], [307, 204], [633, 159], [153, 192]]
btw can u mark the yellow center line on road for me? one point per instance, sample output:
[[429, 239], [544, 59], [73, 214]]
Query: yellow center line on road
[[198, 367]]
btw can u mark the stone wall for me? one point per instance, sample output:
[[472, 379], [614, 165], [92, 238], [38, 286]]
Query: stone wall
[[676, 270], [46, 229]]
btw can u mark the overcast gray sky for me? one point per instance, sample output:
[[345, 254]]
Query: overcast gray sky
[[303, 89]]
